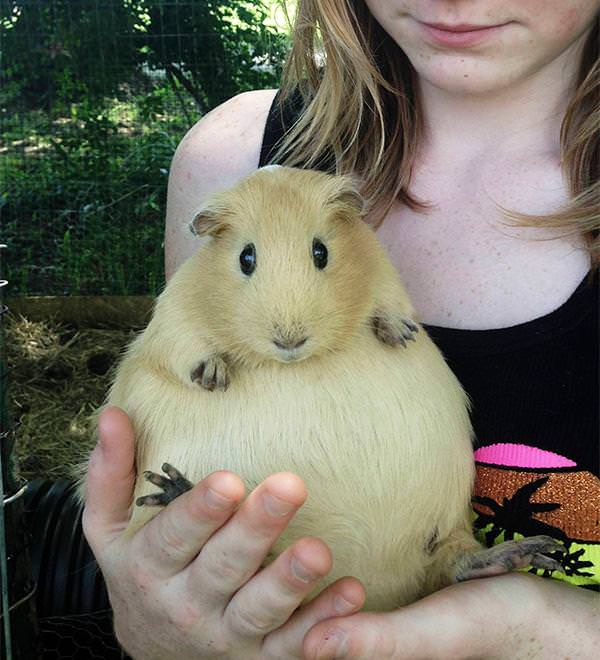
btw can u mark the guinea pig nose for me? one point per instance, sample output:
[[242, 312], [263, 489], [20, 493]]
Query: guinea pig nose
[[289, 344]]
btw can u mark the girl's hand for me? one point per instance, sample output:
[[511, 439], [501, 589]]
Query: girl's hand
[[508, 617], [189, 583]]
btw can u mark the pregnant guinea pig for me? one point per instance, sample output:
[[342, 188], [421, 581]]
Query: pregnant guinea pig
[[288, 343]]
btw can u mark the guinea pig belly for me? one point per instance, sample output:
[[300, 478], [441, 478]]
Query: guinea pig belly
[[379, 435]]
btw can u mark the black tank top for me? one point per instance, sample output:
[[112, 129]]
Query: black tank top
[[535, 411]]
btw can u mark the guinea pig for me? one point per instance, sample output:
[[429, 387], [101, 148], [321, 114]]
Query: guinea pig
[[288, 343]]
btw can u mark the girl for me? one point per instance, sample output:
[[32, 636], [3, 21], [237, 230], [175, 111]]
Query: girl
[[449, 111]]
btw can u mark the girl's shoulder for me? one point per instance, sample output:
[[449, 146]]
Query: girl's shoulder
[[229, 136], [219, 150]]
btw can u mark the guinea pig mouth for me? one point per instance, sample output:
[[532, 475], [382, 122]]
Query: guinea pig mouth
[[290, 355]]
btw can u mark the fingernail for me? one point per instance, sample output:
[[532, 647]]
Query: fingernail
[[343, 606], [301, 572], [335, 645], [217, 501], [275, 506]]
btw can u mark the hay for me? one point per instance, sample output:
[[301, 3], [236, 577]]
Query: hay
[[58, 376]]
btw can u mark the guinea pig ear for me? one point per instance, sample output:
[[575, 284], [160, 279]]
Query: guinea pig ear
[[208, 222], [348, 194]]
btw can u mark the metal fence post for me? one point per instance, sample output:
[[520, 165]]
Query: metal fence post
[[18, 630]]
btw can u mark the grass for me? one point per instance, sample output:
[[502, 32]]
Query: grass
[[83, 196]]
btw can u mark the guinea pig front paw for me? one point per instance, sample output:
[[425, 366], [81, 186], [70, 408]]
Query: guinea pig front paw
[[211, 374], [173, 485], [393, 330]]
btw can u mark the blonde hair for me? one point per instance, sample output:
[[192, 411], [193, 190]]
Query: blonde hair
[[362, 110]]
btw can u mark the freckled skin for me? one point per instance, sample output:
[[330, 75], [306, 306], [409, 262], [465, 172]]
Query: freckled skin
[[538, 32]]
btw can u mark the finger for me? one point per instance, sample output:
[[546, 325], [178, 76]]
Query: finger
[[110, 479], [435, 627], [239, 548], [362, 636], [268, 600], [342, 598], [171, 540]]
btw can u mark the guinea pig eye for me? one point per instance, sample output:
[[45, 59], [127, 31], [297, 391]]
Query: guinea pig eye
[[319, 254], [248, 259]]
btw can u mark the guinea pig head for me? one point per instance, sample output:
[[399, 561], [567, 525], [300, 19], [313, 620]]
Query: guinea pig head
[[291, 264]]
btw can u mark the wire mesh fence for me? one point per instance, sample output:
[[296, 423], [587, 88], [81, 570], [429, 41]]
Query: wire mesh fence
[[94, 97]]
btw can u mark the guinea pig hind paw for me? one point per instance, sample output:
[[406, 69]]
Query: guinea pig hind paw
[[211, 374], [510, 555], [173, 485], [394, 330]]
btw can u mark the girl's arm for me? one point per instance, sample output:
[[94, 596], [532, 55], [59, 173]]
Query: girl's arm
[[507, 617]]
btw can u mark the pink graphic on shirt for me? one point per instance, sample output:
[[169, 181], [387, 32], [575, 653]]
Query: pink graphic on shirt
[[523, 456]]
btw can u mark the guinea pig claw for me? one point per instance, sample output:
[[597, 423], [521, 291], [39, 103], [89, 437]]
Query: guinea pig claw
[[546, 563], [409, 330], [211, 374], [173, 485], [511, 555], [394, 330]]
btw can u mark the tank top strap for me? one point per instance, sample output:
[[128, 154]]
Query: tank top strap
[[280, 120]]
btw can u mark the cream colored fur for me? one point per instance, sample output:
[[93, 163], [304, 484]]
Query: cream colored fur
[[380, 435]]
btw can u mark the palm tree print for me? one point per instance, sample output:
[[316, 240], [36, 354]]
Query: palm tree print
[[571, 562], [515, 515]]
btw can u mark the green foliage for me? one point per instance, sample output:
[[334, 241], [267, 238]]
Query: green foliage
[[82, 49], [58, 51], [213, 48], [84, 213], [94, 98]]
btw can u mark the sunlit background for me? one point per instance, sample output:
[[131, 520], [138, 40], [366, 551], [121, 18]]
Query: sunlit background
[[94, 97]]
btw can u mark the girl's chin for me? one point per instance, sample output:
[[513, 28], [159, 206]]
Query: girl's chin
[[454, 77]]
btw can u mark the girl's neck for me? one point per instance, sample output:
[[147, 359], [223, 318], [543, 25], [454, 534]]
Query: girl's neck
[[517, 118]]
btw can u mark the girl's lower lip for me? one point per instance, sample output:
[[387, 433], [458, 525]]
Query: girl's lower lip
[[460, 39]]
